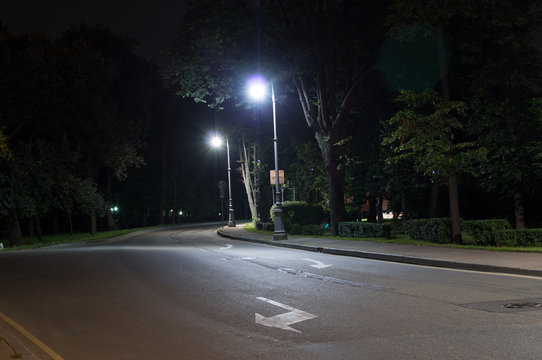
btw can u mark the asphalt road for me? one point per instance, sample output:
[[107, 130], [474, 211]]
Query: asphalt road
[[189, 294]]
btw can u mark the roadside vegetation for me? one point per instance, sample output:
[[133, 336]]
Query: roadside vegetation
[[49, 240], [401, 238]]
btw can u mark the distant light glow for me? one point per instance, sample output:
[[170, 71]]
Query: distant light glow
[[257, 88]]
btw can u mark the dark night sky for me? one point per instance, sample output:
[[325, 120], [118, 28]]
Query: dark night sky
[[151, 22]]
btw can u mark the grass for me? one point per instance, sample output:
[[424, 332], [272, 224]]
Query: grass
[[48, 240], [404, 239]]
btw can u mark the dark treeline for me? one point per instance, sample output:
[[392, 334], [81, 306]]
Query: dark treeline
[[91, 140], [434, 106]]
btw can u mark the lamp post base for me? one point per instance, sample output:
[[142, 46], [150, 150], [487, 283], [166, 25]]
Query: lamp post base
[[280, 230], [280, 235], [231, 218]]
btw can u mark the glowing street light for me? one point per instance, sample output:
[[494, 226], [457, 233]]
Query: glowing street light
[[216, 142], [257, 90]]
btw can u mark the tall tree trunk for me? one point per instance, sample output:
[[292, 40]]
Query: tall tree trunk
[[70, 222], [250, 188], [454, 208], [519, 212], [93, 227], [108, 213], [31, 228], [164, 175], [379, 212], [14, 229], [434, 200], [335, 179], [452, 176], [404, 210], [37, 223], [372, 215], [176, 216]]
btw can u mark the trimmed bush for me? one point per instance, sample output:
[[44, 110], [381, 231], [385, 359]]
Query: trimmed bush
[[300, 212], [294, 229], [312, 229], [265, 226], [522, 237], [363, 229], [483, 231], [437, 230]]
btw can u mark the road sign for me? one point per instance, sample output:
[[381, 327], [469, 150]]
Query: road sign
[[272, 177]]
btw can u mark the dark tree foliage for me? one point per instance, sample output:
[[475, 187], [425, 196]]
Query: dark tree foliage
[[322, 50], [73, 114]]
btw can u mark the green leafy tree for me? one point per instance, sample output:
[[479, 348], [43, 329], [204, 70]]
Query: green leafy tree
[[475, 41], [431, 131], [505, 114], [114, 120], [322, 50]]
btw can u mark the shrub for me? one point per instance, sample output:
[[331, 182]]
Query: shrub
[[299, 212], [294, 229], [312, 229], [483, 231], [521, 237], [437, 230], [265, 226], [363, 229]]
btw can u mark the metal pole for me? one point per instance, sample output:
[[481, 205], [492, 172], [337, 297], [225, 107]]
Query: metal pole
[[280, 232], [231, 217]]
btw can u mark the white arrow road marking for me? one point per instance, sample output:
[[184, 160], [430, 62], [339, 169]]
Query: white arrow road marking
[[317, 264], [228, 246], [282, 321]]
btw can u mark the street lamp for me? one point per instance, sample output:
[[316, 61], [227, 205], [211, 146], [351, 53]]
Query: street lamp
[[216, 142], [257, 89]]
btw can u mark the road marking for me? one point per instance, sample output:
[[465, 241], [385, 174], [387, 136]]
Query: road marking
[[228, 246], [333, 279], [31, 337], [317, 264], [282, 321]]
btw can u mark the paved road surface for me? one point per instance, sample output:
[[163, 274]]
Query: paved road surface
[[189, 294]]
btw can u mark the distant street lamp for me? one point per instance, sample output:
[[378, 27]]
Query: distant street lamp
[[216, 142], [257, 89]]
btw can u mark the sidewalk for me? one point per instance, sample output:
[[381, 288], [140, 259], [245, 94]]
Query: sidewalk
[[478, 260]]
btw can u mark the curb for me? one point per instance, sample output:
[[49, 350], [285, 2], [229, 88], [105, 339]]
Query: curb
[[393, 258]]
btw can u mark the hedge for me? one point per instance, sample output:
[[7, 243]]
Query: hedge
[[521, 237], [312, 229], [299, 212], [438, 230], [363, 229], [265, 226], [483, 231]]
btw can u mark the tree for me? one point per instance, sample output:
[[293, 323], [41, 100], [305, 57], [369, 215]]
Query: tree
[[431, 131], [473, 41], [505, 115], [70, 115], [249, 170], [323, 50], [121, 112]]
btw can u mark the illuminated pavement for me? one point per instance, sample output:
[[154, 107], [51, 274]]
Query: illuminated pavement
[[190, 294]]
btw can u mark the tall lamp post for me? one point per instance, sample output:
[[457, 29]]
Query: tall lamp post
[[216, 142], [257, 90]]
